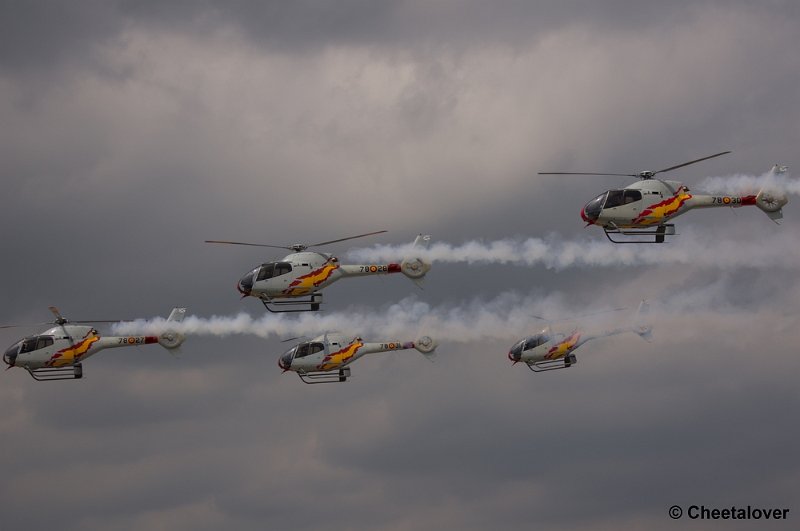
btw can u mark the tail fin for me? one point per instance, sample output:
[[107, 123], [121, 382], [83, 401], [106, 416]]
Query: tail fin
[[640, 325], [772, 201], [416, 268], [172, 339], [426, 345]]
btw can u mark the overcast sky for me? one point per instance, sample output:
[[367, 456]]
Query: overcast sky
[[133, 131]]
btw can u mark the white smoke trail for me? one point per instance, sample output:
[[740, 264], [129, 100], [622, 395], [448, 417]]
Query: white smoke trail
[[780, 248], [505, 317], [750, 184]]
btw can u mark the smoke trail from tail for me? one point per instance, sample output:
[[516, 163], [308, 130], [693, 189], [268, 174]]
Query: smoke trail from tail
[[780, 248], [503, 318], [748, 184]]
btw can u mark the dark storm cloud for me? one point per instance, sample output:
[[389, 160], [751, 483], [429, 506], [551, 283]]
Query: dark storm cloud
[[40, 35]]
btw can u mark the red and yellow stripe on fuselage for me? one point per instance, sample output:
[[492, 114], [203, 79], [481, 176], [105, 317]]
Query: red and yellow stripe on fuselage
[[565, 347], [71, 355], [340, 357], [309, 282], [660, 212]]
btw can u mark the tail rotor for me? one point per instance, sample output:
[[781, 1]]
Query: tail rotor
[[172, 339], [415, 267]]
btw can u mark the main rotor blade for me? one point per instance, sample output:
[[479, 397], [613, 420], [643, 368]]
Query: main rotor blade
[[691, 162], [250, 244], [348, 238], [55, 312], [3, 327], [586, 173]]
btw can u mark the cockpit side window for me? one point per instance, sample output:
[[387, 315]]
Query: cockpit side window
[[281, 268], [317, 347], [302, 351], [615, 198], [307, 349], [535, 341], [265, 272], [43, 342], [28, 345], [631, 196]]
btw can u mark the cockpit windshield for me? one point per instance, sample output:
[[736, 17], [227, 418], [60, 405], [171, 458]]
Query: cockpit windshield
[[594, 207], [12, 351], [516, 351]]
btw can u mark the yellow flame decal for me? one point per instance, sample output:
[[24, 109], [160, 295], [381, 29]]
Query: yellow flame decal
[[562, 349], [73, 354], [340, 357], [658, 212], [309, 282]]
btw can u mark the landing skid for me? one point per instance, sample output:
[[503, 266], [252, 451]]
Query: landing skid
[[307, 305], [325, 377], [552, 365], [47, 374], [659, 234]]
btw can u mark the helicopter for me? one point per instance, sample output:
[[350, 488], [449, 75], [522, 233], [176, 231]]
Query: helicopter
[[550, 350], [327, 358], [58, 352], [281, 285], [641, 210]]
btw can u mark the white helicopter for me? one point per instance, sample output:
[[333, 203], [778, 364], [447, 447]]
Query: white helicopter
[[305, 273], [550, 350], [57, 353], [327, 358], [644, 208]]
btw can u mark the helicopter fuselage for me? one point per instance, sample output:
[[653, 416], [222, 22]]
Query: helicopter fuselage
[[545, 346], [57, 353], [62, 346], [304, 273], [652, 202], [331, 352], [550, 349]]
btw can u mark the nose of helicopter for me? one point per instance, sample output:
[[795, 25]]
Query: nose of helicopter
[[515, 354], [591, 210], [588, 215], [285, 361], [245, 285], [584, 217]]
